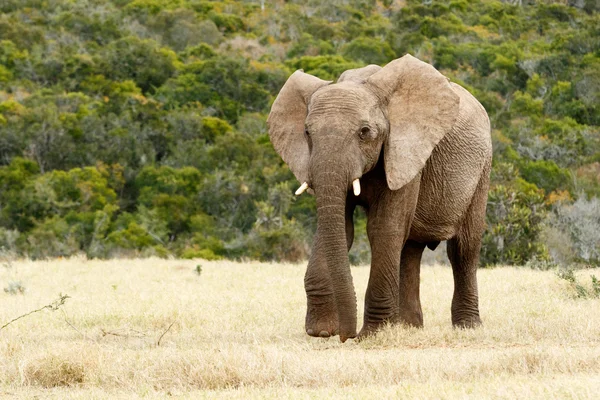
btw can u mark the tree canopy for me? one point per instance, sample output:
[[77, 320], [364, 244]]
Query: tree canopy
[[138, 127]]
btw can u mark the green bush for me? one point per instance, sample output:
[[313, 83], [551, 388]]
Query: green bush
[[142, 61], [206, 254], [369, 51], [324, 67], [214, 127], [515, 214], [283, 243], [13, 179], [546, 175], [309, 46], [227, 22], [52, 237], [133, 237]]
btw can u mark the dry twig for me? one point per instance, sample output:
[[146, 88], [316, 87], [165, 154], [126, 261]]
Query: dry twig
[[165, 332], [137, 334]]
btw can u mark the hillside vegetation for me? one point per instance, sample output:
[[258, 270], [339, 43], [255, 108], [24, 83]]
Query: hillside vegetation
[[157, 328], [137, 127]]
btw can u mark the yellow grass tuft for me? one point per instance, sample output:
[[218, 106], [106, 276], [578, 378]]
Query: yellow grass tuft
[[236, 331]]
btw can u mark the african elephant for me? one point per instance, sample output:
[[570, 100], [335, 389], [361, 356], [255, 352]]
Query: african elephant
[[414, 150]]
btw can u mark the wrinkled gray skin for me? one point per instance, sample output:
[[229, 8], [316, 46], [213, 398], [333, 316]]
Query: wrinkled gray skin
[[421, 147]]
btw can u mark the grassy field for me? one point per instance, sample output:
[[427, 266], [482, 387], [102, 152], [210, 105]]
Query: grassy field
[[236, 331]]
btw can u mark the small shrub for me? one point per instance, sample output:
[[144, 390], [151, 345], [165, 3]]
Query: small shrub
[[581, 291], [595, 286], [15, 287], [568, 275]]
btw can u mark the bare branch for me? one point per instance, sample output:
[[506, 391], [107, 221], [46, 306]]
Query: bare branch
[[55, 305], [165, 332], [138, 334]]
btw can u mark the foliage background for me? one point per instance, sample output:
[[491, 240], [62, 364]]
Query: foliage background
[[137, 127]]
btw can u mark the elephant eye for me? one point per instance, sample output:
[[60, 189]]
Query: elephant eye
[[365, 132], [306, 132]]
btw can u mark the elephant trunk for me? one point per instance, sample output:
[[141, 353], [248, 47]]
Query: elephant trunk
[[331, 189]]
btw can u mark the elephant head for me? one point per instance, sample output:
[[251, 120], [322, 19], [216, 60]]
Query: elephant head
[[330, 135]]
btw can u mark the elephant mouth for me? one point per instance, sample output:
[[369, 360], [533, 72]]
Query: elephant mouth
[[306, 186]]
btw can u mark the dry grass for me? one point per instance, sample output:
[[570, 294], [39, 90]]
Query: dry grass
[[238, 333]]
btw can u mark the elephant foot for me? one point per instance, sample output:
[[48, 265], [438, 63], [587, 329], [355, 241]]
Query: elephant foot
[[411, 318], [322, 330], [321, 321], [370, 329], [466, 322]]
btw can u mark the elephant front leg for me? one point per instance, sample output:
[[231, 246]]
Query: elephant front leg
[[321, 310], [381, 299], [389, 216]]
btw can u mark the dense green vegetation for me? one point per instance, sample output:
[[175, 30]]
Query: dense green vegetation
[[137, 127]]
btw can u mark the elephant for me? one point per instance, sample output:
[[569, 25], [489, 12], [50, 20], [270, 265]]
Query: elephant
[[414, 150]]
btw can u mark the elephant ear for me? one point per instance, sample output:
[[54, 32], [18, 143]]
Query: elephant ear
[[422, 108], [286, 121]]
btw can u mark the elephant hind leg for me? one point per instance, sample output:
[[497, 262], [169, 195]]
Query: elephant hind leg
[[464, 257], [410, 269], [463, 253]]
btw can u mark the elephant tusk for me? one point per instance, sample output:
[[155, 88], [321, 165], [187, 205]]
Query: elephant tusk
[[301, 189], [356, 186]]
